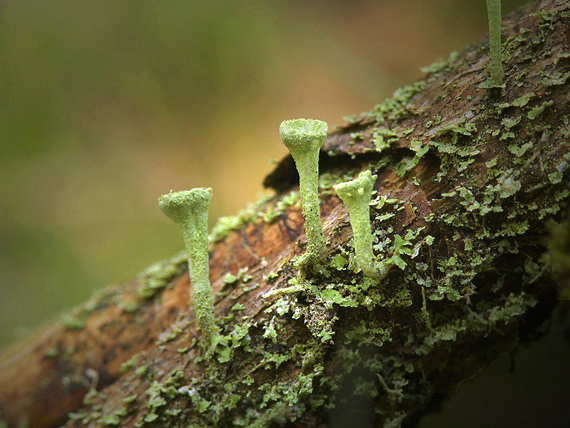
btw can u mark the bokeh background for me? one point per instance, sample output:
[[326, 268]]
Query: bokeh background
[[105, 105]]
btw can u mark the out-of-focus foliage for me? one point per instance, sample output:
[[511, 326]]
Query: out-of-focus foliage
[[107, 105]]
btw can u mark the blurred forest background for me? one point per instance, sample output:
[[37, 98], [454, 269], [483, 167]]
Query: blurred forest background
[[106, 105]]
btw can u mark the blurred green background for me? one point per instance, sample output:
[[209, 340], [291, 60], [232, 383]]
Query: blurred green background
[[106, 105]]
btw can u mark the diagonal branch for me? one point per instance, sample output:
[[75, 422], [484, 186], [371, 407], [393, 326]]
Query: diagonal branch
[[467, 180]]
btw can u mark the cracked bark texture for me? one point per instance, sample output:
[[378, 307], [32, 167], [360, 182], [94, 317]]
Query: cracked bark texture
[[468, 179]]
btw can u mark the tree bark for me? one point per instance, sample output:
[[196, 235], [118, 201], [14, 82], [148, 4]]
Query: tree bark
[[470, 184]]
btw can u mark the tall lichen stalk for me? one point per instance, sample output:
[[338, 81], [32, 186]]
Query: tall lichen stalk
[[189, 210], [356, 195], [304, 139], [495, 63]]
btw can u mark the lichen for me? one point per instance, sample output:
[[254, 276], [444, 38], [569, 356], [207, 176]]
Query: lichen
[[157, 276], [189, 210], [462, 274], [392, 107], [495, 63], [304, 138], [356, 194]]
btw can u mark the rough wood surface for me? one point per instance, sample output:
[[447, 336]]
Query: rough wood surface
[[471, 176]]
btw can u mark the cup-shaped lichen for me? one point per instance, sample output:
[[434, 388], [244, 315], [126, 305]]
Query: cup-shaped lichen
[[304, 139], [356, 196], [495, 63], [189, 210]]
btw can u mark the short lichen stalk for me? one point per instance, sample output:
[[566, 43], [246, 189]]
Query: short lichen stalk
[[356, 195], [304, 139], [495, 64], [189, 210]]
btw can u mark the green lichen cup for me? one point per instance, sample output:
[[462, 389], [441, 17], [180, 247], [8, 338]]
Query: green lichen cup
[[304, 139]]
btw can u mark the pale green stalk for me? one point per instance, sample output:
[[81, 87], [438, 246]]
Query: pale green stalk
[[356, 195], [189, 210], [304, 138], [495, 62]]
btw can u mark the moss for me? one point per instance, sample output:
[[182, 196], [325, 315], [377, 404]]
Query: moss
[[392, 107]]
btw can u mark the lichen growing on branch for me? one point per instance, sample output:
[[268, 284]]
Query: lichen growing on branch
[[304, 139], [189, 210], [356, 195], [495, 63]]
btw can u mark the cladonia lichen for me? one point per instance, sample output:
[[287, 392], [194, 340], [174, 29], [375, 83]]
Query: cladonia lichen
[[356, 195], [495, 63], [304, 139], [189, 210]]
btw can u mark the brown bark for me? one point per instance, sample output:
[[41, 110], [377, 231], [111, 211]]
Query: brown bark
[[480, 194]]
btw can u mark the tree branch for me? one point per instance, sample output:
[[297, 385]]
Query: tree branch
[[467, 180]]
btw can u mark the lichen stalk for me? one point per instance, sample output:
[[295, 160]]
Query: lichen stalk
[[304, 139], [356, 195], [189, 210], [495, 63]]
